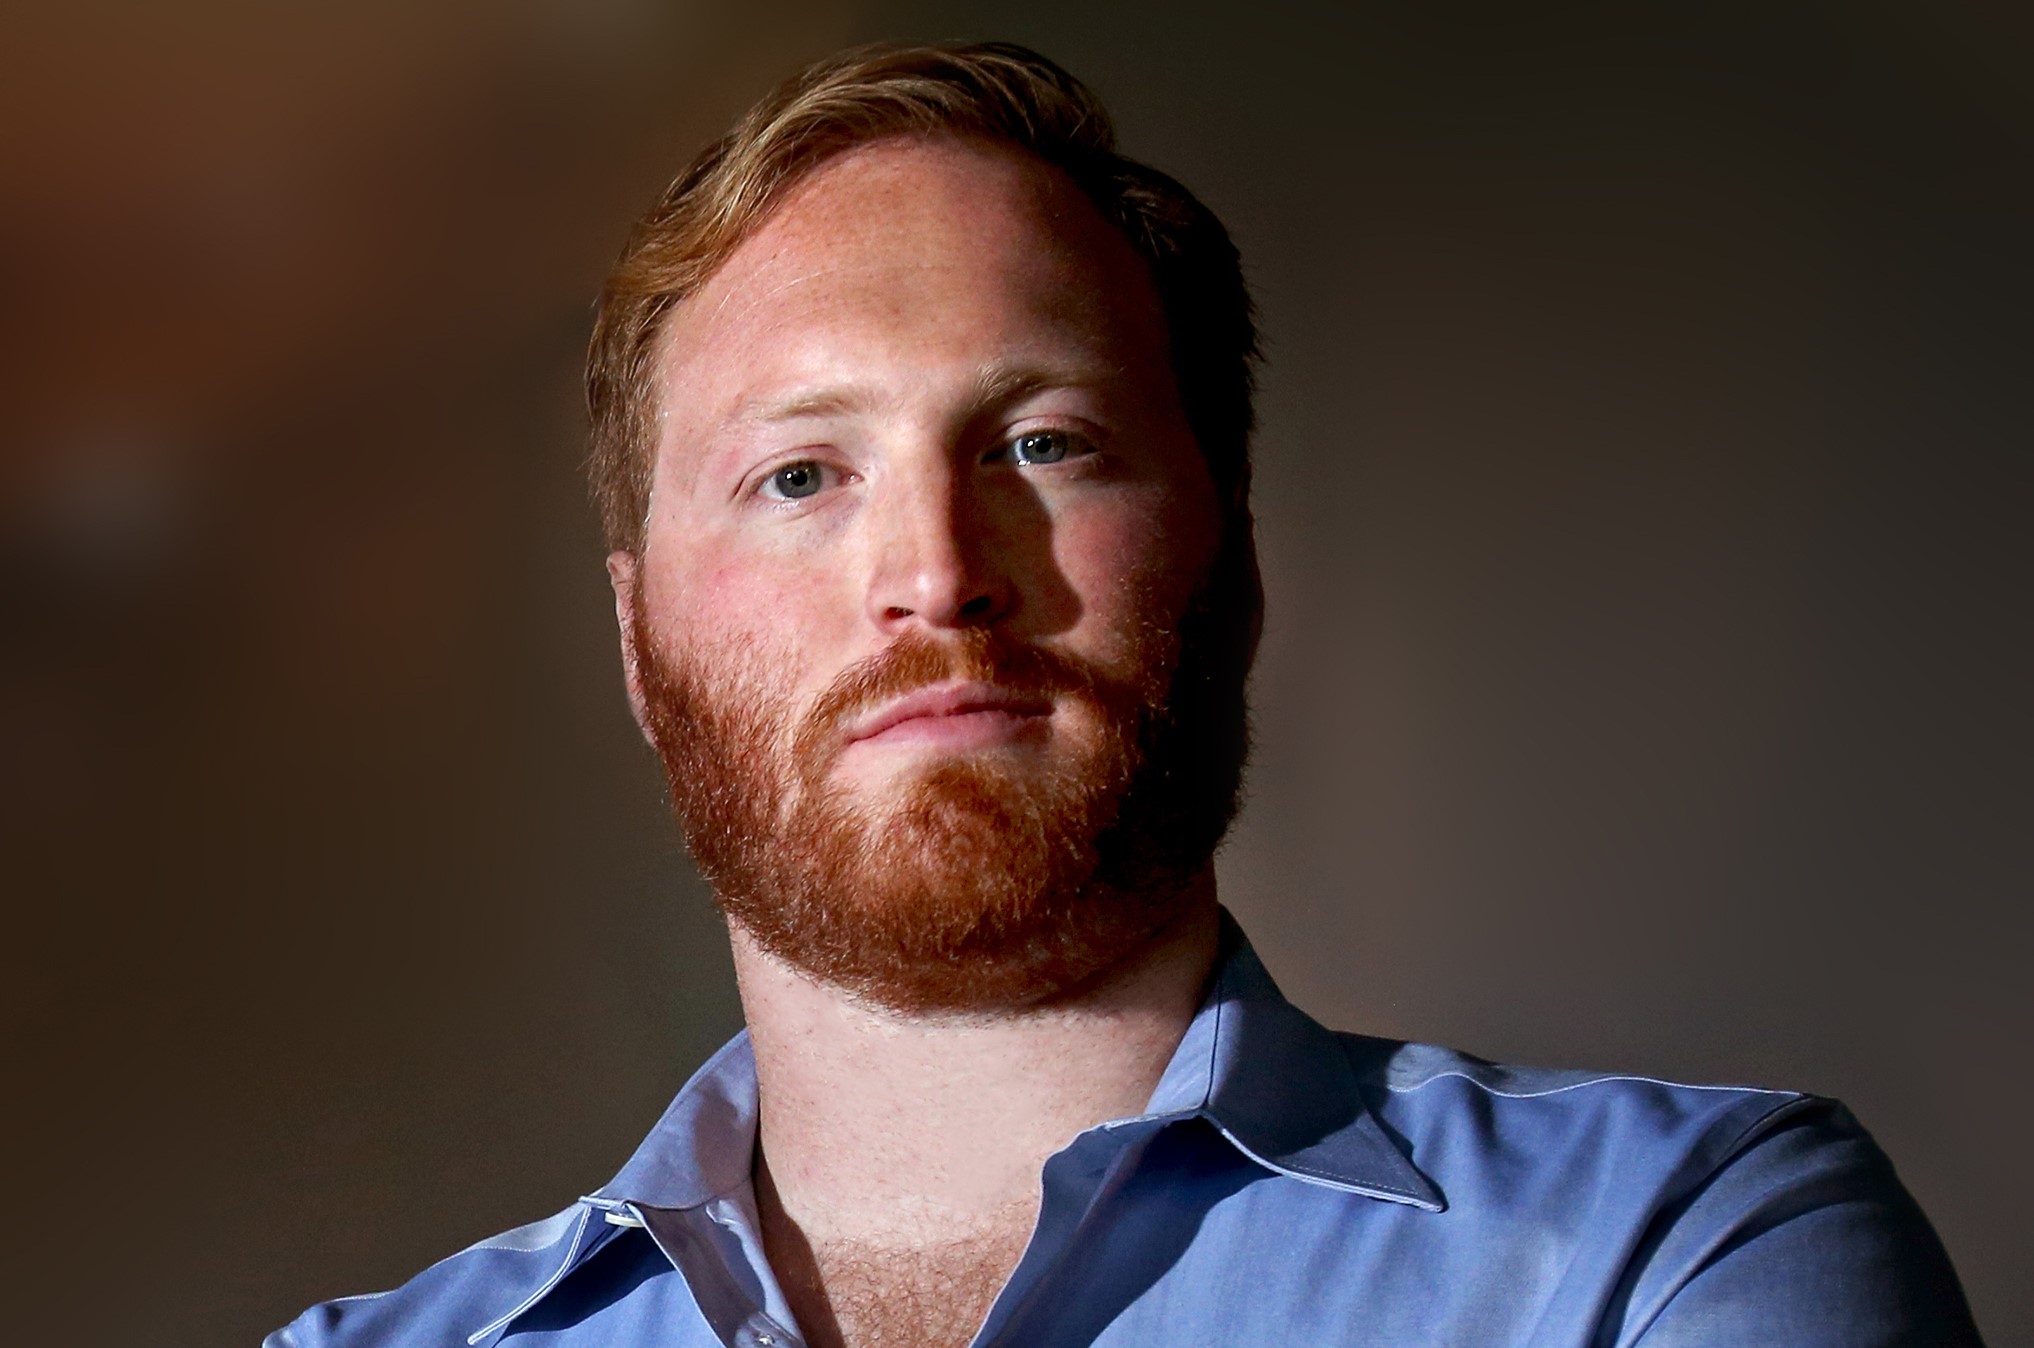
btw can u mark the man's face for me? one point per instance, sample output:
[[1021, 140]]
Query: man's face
[[926, 518]]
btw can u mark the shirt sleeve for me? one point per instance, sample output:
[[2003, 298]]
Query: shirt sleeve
[[1804, 1237]]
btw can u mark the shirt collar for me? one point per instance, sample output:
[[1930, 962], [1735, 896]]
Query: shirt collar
[[1281, 1088], [704, 1145]]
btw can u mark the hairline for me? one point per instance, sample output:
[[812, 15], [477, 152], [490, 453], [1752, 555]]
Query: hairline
[[657, 338]]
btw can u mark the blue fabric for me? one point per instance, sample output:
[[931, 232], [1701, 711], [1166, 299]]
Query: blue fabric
[[1287, 1185]]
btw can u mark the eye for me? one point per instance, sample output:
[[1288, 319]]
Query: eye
[[793, 481], [1034, 447]]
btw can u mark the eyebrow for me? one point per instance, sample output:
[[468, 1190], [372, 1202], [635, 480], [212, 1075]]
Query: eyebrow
[[997, 385], [811, 402]]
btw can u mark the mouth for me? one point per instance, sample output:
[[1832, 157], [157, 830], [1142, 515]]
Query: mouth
[[954, 716]]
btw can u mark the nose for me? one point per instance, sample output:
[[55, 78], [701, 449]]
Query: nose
[[937, 564]]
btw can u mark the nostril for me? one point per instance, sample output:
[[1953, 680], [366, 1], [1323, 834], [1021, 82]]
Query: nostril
[[977, 606]]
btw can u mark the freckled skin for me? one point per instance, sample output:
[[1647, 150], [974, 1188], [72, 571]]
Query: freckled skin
[[901, 277], [891, 336]]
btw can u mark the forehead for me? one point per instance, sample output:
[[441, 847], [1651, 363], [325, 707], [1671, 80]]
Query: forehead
[[900, 255]]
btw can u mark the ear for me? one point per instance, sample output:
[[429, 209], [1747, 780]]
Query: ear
[[624, 575]]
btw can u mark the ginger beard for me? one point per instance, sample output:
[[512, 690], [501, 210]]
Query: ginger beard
[[975, 883]]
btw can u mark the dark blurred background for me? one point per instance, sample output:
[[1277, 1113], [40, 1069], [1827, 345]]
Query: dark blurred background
[[1642, 493]]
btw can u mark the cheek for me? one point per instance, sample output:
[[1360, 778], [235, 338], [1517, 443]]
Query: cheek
[[1143, 561], [722, 606], [730, 596]]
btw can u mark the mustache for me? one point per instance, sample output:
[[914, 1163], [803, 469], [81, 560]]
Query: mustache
[[914, 661]]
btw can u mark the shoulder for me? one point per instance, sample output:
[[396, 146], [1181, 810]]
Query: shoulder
[[457, 1299], [1447, 1096], [1407, 1069], [1678, 1205], [1510, 1135]]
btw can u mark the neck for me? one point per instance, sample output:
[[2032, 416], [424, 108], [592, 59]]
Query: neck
[[892, 1129]]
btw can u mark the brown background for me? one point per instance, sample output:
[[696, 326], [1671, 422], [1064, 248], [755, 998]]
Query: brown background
[[1643, 452]]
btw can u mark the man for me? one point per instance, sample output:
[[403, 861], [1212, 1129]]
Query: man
[[920, 426]]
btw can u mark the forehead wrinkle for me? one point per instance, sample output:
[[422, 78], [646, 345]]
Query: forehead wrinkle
[[687, 324], [996, 381], [666, 354], [764, 272], [819, 240]]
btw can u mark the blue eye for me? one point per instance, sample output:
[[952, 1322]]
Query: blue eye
[[1041, 447], [795, 480]]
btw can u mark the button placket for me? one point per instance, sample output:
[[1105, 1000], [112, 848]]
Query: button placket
[[1077, 1181]]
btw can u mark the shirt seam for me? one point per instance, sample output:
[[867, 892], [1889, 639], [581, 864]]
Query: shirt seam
[[1489, 1089], [543, 1289]]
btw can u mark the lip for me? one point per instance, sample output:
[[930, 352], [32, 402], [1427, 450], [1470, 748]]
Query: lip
[[947, 701]]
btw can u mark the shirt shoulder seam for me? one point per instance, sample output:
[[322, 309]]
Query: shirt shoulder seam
[[1579, 1085]]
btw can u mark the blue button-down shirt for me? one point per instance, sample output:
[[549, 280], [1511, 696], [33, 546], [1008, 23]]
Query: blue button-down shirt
[[1287, 1185]]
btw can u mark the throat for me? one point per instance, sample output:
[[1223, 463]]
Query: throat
[[928, 1290]]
